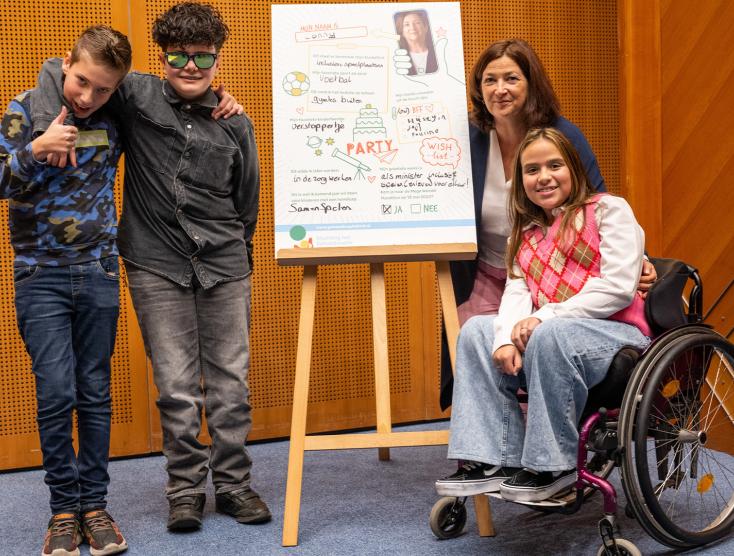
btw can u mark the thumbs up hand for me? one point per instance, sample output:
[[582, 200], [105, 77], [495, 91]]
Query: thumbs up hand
[[56, 144]]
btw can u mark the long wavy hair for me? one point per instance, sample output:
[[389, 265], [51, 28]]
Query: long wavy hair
[[541, 107], [523, 212]]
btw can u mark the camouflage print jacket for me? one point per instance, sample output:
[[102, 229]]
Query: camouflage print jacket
[[59, 216]]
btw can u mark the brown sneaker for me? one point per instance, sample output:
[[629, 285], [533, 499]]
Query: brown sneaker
[[102, 533], [184, 513], [63, 536], [244, 505]]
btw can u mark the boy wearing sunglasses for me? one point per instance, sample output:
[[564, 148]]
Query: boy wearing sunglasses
[[62, 228], [188, 218]]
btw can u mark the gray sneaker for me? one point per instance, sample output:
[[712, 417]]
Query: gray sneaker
[[185, 512], [244, 505]]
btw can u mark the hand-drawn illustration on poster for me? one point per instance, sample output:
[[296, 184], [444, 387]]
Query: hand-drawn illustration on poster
[[370, 126]]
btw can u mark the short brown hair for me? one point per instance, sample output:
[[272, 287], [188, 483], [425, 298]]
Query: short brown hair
[[190, 23], [541, 107], [105, 46], [523, 212]]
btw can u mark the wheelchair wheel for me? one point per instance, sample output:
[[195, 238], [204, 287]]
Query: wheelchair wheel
[[677, 426], [624, 548], [448, 517]]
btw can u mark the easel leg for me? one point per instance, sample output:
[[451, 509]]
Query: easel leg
[[300, 408], [451, 322], [382, 364], [484, 515]]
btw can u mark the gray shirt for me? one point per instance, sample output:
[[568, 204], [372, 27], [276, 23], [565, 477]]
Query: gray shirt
[[191, 183]]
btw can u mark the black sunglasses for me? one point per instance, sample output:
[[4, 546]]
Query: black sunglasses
[[202, 60]]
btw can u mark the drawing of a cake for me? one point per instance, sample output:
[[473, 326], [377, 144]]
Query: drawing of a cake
[[369, 123]]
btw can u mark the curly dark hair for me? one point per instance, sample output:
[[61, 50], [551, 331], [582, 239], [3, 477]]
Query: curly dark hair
[[190, 23]]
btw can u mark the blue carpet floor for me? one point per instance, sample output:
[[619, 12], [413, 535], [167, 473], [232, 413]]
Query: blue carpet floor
[[352, 504]]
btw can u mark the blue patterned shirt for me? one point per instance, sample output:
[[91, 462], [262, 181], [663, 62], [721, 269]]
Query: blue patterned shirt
[[59, 216]]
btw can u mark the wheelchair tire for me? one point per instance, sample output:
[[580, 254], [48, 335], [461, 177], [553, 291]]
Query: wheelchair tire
[[678, 473], [627, 415], [624, 548], [448, 517]]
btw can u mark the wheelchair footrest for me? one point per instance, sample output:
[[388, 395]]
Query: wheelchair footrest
[[559, 500]]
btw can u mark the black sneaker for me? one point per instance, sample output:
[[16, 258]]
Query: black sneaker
[[474, 477], [244, 505], [63, 536], [534, 486], [102, 533], [184, 513]]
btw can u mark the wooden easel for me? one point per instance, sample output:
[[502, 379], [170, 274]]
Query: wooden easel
[[383, 438]]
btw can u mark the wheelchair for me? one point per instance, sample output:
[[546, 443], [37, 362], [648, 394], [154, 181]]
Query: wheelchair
[[666, 418]]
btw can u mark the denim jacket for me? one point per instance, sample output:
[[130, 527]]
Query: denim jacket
[[191, 182]]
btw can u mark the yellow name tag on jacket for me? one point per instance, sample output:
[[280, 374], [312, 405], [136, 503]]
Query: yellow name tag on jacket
[[92, 138]]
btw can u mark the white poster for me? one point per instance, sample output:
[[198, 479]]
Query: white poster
[[371, 139]]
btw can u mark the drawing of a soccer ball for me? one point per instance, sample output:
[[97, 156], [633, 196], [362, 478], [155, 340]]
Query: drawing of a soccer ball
[[296, 83]]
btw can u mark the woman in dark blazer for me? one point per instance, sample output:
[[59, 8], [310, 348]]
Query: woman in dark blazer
[[510, 94]]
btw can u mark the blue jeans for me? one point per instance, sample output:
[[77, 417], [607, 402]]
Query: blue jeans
[[563, 359], [67, 317], [198, 342]]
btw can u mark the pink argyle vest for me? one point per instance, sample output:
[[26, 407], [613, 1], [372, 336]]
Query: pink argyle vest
[[555, 271]]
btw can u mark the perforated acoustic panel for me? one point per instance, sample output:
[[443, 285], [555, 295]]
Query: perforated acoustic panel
[[31, 32], [577, 41]]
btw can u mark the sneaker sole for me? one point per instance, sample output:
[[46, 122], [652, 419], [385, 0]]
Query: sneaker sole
[[185, 524], [109, 549], [63, 552], [536, 494], [468, 488]]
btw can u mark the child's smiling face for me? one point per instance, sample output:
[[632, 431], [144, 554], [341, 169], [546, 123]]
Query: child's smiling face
[[190, 82], [88, 85], [546, 177]]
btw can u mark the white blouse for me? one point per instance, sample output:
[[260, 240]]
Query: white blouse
[[622, 244], [495, 224], [420, 61]]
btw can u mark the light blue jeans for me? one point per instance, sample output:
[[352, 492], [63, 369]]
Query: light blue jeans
[[563, 359]]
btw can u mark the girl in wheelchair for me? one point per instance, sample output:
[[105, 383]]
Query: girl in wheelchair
[[570, 304]]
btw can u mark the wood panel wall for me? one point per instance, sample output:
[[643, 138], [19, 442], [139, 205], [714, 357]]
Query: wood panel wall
[[697, 86], [577, 41]]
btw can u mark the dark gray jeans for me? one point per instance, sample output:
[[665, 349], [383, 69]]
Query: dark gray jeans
[[197, 341]]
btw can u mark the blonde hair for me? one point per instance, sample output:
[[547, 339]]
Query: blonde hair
[[523, 212]]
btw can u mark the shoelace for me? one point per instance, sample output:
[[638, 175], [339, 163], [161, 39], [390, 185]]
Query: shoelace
[[469, 465], [63, 526], [99, 521]]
